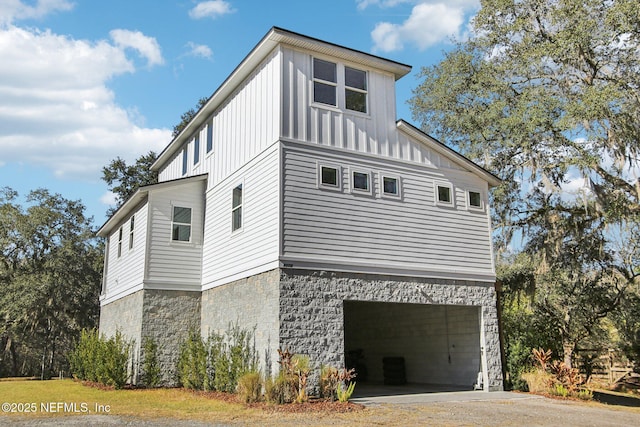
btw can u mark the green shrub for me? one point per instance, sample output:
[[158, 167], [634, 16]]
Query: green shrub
[[585, 394], [559, 390], [150, 366], [192, 361], [250, 387], [100, 360], [345, 395]]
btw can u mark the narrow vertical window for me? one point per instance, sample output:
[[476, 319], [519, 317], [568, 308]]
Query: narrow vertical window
[[196, 150], [236, 209], [185, 160], [324, 82], [210, 136], [120, 242], [181, 224], [355, 91], [131, 227]]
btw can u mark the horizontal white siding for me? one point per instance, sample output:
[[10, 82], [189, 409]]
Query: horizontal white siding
[[411, 233], [231, 255], [125, 274], [169, 262], [242, 127]]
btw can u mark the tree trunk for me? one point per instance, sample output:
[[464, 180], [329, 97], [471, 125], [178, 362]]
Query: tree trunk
[[568, 349]]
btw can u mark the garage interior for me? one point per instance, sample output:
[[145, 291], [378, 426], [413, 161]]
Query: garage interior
[[439, 345]]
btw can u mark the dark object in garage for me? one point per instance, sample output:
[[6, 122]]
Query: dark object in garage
[[394, 371]]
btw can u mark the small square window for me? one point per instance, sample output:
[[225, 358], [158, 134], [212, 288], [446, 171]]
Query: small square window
[[329, 177], [390, 186], [361, 181], [475, 199], [444, 194]]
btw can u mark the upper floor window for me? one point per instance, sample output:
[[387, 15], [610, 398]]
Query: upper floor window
[[131, 227], [236, 208], [474, 199], [324, 82], [355, 89], [444, 194], [120, 242], [360, 181], [329, 177], [181, 224], [196, 150], [210, 136], [390, 186], [185, 159]]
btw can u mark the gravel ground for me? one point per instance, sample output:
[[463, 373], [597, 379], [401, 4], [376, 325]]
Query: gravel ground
[[501, 412]]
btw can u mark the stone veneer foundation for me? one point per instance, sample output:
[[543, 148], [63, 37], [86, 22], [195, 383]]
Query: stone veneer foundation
[[296, 309]]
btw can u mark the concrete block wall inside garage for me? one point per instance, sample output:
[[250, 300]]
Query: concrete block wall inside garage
[[440, 343]]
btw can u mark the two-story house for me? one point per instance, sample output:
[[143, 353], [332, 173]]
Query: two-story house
[[295, 204]]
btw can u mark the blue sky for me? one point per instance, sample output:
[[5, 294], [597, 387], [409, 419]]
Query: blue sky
[[85, 81]]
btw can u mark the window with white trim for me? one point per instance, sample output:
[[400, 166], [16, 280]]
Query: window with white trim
[[236, 208], [360, 181], [181, 224], [390, 185], [196, 150], [355, 89], [131, 228], [210, 136], [474, 199], [120, 242], [444, 194], [329, 177], [324, 82], [185, 159]]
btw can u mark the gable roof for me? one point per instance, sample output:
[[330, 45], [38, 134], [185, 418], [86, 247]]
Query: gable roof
[[141, 194], [449, 153], [273, 38]]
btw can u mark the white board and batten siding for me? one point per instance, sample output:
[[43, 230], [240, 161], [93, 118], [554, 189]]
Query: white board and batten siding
[[172, 264], [242, 127], [412, 235], [230, 255], [126, 271], [302, 119]]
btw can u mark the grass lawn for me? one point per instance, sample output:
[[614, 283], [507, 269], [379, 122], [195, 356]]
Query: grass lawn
[[42, 399]]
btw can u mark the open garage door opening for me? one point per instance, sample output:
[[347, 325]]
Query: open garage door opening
[[391, 344]]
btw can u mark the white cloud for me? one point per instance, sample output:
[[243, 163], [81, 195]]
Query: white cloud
[[430, 22], [12, 10], [199, 50], [211, 9], [109, 199], [146, 46], [56, 111]]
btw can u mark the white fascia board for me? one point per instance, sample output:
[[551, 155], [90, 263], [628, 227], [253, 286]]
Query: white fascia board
[[449, 153]]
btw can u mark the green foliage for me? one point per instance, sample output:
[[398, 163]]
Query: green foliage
[[101, 360], [187, 116], [250, 387], [218, 362], [151, 373], [192, 361], [331, 381], [123, 180], [345, 395], [50, 275], [544, 94]]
